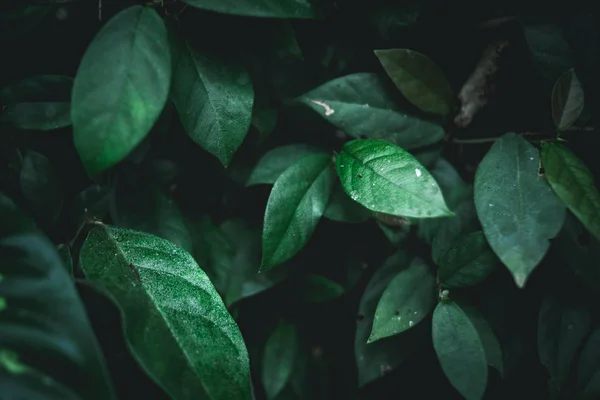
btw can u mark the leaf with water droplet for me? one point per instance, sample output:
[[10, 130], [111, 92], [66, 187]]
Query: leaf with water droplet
[[525, 215]]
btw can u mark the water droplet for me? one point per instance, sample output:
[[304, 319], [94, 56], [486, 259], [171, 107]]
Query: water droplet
[[415, 312], [491, 205], [341, 165], [410, 323], [531, 158], [418, 172]]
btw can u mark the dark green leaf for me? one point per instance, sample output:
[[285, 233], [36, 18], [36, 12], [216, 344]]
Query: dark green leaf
[[47, 346], [284, 40], [296, 204], [573, 183], [463, 222], [561, 330], [275, 161], [460, 350], [377, 359], [588, 368], [396, 235], [567, 100], [38, 116], [261, 8], [407, 299], [170, 311], [314, 288], [121, 87], [360, 105], [342, 208], [41, 186], [91, 202], [264, 114], [65, 254], [468, 262], [279, 358], [386, 178], [516, 207], [38, 88], [493, 351], [549, 49], [419, 79]]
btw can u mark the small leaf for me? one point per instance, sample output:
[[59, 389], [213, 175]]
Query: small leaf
[[275, 161], [588, 368], [460, 350], [419, 79], [361, 106], [573, 183], [407, 299], [516, 207], [41, 186], [213, 96], [121, 87], [261, 8], [561, 330], [295, 206], [47, 347], [567, 100], [386, 178], [279, 358], [342, 208], [468, 262], [157, 284]]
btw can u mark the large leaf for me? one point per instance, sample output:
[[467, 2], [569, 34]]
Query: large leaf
[[567, 100], [275, 161], [419, 79], [561, 330], [279, 358], [407, 299], [573, 183], [213, 97], [387, 179], [121, 87], [516, 207], [47, 346], [361, 106], [588, 367], [261, 8], [468, 261], [41, 186], [377, 359], [295, 206], [171, 312], [460, 350]]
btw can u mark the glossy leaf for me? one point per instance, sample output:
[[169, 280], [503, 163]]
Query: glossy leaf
[[157, 284], [408, 298], [460, 350], [261, 8], [573, 183], [387, 179], [468, 262], [279, 358], [516, 207], [567, 100], [342, 208], [275, 161], [376, 359], [588, 367], [360, 105], [296, 204], [121, 87], [41, 186], [561, 331], [419, 79], [213, 96], [47, 347]]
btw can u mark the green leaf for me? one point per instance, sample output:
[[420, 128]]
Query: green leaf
[[463, 222], [342, 208], [91, 203], [313, 288], [284, 40], [264, 114], [41, 186], [360, 105], [407, 299], [261, 8], [398, 235], [213, 96], [121, 87], [158, 285], [47, 347], [279, 358], [493, 351], [588, 368], [561, 331], [567, 100], [516, 207], [419, 79], [277, 160], [65, 254], [460, 350], [137, 202], [377, 359], [295, 206], [549, 49], [573, 183], [386, 178], [468, 262], [38, 88]]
